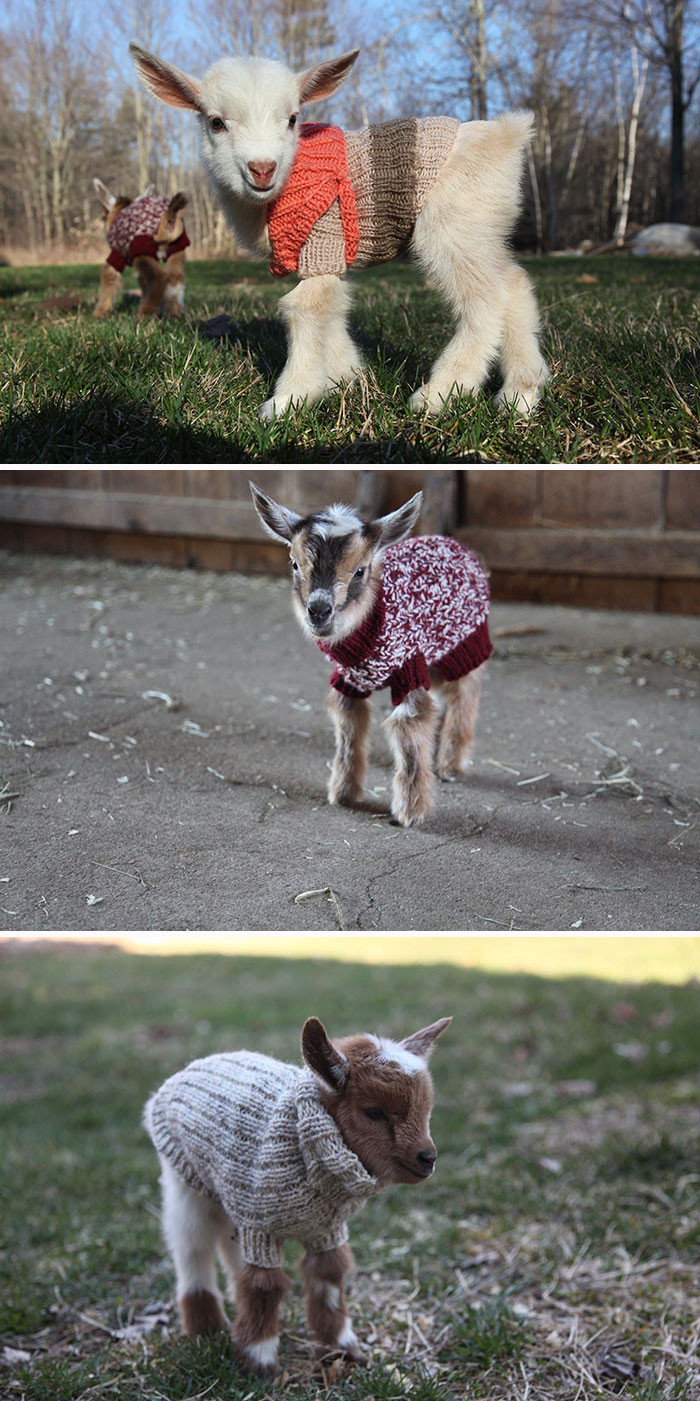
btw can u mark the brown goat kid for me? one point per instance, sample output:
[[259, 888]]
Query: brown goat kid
[[390, 612], [254, 1152], [148, 233]]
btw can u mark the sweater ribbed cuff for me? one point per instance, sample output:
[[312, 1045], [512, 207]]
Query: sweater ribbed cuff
[[116, 260], [258, 1248], [409, 677], [467, 655], [339, 683]]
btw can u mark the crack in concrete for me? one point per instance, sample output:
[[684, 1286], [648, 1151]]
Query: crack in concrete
[[475, 831]]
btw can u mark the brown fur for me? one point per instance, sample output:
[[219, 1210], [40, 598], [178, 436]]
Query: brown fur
[[111, 214], [412, 737], [389, 1151], [359, 554], [110, 282], [201, 1313], [458, 723], [351, 721], [161, 283], [259, 1295], [331, 1267], [153, 280]]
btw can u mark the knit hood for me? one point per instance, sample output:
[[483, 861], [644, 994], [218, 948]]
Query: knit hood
[[327, 1158]]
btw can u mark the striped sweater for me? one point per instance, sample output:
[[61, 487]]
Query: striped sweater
[[367, 187], [251, 1133], [431, 611]]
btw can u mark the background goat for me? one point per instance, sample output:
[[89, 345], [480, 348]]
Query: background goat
[[150, 233], [254, 1151], [318, 202], [390, 612]]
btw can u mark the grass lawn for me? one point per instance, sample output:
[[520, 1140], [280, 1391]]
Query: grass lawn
[[621, 336], [554, 1257]]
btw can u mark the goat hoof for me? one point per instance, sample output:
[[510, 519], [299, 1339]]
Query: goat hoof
[[275, 407], [419, 401], [342, 796], [253, 1365]]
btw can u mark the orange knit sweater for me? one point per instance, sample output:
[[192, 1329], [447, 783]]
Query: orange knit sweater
[[319, 176]]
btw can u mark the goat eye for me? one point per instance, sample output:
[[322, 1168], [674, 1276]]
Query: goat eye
[[217, 124], [377, 1114], [293, 120], [295, 566], [359, 573]]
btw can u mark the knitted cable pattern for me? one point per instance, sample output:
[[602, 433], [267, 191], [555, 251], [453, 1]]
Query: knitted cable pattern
[[431, 610], [251, 1133], [318, 178]]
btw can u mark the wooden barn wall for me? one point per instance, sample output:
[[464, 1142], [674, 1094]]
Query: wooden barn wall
[[594, 538]]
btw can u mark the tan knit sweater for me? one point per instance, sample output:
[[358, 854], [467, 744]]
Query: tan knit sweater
[[251, 1133], [391, 167]]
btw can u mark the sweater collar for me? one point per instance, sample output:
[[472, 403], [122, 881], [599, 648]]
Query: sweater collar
[[325, 1153], [355, 649]]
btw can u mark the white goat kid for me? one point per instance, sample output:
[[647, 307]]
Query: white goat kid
[[457, 204]]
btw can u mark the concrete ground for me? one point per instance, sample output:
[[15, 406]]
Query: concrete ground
[[164, 752]]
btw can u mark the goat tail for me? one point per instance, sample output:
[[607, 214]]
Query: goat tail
[[516, 128]]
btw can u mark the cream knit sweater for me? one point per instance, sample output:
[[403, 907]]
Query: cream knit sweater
[[251, 1133]]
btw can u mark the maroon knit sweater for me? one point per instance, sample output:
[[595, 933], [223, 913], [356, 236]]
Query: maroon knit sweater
[[431, 610], [132, 234]]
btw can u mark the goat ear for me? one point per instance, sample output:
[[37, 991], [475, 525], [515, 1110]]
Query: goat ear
[[149, 190], [421, 1042], [388, 530], [325, 78], [277, 520], [166, 82], [329, 1064], [104, 195]]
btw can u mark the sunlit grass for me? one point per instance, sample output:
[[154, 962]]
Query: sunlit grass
[[620, 334]]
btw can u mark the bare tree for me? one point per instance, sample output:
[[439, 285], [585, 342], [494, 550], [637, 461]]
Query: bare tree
[[666, 34]]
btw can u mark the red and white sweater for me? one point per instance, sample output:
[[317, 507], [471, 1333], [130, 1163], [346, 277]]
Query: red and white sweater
[[431, 610], [132, 233]]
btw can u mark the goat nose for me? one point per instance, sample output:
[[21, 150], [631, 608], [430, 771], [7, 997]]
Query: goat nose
[[319, 612], [262, 172], [427, 1157]]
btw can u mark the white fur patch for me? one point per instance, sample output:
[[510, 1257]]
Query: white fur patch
[[330, 1293], [175, 295], [407, 709], [347, 1336], [397, 1054], [263, 1354], [336, 520]]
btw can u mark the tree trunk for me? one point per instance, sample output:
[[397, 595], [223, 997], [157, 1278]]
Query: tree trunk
[[624, 208], [677, 208]]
